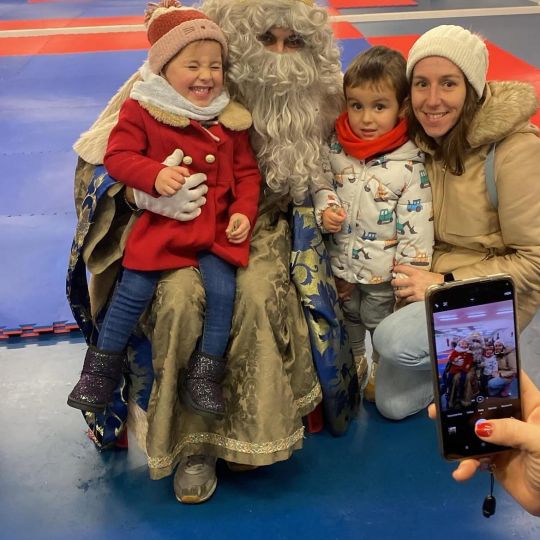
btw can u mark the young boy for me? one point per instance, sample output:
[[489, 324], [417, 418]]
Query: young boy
[[180, 107], [378, 204]]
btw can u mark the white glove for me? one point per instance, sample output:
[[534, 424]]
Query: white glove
[[185, 204]]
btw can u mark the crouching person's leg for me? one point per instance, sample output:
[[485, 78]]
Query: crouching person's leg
[[404, 380]]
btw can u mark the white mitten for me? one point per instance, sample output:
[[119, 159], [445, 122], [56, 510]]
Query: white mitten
[[185, 204], [174, 159]]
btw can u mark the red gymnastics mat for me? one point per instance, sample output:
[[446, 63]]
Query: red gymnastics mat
[[341, 4]]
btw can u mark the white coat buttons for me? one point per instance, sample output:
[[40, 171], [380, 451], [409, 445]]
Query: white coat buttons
[[210, 158]]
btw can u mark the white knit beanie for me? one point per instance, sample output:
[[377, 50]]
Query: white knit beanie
[[467, 50]]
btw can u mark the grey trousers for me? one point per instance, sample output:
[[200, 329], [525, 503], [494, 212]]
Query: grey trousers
[[367, 307]]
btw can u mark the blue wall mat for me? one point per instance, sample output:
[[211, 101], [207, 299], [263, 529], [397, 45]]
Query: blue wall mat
[[45, 103], [35, 252], [21, 9], [350, 48], [37, 182]]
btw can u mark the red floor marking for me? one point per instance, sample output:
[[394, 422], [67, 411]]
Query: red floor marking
[[400, 43], [343, 30], [69, 23], [110, 41], [503, 66], [73, 43], [370, 3]]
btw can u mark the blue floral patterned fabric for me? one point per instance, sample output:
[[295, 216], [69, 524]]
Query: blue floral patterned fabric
[[137, 381], [312, 275]]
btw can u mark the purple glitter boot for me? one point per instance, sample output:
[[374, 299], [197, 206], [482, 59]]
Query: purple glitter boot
[[201, 384], [100, 376]]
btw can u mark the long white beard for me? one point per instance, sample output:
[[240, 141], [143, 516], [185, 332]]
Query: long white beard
[[284, 98]]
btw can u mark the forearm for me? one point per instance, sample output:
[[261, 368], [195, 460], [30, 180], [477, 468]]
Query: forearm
[[247, 198], [138, 172]]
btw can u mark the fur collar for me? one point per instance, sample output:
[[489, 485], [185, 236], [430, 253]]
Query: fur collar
[[92, 144], [234, 116], [507, 109]]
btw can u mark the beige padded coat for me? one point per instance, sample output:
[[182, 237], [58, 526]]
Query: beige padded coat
[[472, 238]]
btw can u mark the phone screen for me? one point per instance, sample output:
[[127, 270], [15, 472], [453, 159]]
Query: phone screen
[[475, 355]]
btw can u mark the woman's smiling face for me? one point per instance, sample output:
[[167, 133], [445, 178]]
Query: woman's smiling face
[[438, 94]]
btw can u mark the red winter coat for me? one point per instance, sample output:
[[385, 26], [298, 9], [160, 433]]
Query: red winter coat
[[137, 146], [460, 361]]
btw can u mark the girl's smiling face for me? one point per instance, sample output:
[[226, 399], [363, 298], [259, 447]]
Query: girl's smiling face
[[196, 72]]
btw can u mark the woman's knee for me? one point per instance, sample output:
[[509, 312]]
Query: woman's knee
[[400, 392], [401, 338], [400, 404], [392, 409]]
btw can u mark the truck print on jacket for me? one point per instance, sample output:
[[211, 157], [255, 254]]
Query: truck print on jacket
[[389, 213]]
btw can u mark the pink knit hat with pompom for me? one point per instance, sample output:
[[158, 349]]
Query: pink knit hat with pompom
[[171, 26]]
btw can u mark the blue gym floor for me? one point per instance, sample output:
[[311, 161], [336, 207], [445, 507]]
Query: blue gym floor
[[382, 480]]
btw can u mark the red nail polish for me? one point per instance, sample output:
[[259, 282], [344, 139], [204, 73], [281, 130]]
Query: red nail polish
[[484, 429]]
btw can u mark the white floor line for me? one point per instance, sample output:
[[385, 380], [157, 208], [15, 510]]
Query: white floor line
[[361, 17], [30, 32], [439, 14]]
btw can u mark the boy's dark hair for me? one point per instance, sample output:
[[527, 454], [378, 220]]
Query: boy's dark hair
[[378, 66]]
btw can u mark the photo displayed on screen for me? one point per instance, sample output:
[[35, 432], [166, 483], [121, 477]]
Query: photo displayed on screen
[[477, 370], [476, 354]]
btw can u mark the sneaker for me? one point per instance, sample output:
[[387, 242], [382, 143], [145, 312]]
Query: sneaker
[[369, 390], [195, 479], [362, 369]]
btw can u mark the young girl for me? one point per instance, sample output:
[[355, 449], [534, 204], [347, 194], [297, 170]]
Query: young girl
[[379, 204], [459, 364], [180, 108]]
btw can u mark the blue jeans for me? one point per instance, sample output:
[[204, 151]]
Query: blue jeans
[[132, 294], [403, 385], [135, 290], [498, 385], [219, 281]]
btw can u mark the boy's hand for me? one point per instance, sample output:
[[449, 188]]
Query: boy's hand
[[170, 179], [238, 228], [344, 289], [332, 218]]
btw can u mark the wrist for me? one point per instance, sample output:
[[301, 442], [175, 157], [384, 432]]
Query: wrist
[[129, 199]]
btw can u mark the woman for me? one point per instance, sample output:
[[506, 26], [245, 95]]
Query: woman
[[282, 59], [455, 118]]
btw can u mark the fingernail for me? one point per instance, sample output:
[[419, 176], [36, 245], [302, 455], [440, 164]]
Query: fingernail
[[484, 429]]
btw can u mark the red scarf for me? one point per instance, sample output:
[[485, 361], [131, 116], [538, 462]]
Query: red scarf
[[361, 149]]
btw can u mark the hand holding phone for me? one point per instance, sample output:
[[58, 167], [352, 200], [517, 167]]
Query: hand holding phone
[[474, 350], [518, 470]]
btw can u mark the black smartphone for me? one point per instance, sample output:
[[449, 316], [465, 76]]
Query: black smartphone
[[474, 352]]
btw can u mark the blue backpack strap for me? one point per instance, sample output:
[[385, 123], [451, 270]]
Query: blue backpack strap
[[489, 169]]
